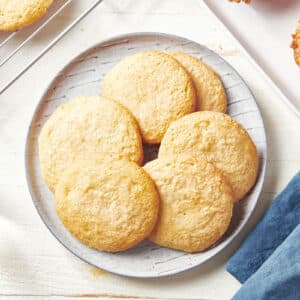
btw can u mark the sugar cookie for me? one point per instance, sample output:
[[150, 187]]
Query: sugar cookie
[[196, 203], [84, 128], [16, 14], [209, 88], [223, 141], [154, 87], [109, 205]]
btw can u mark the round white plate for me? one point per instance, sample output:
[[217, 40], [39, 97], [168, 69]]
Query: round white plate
[[83, 76]]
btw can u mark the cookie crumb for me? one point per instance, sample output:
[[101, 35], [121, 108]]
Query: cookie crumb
[[97, 272]]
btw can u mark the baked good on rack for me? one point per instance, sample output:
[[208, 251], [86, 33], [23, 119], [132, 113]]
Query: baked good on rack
[[223, 142], [209, 88], [16, 14], [196, 203], [154, 87], [83, 128], [296, 45], [109, 205]]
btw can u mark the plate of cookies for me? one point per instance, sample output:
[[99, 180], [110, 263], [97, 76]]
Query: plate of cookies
[[146, 155]]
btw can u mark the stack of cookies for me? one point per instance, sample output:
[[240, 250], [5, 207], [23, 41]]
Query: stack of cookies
[[91, 155]]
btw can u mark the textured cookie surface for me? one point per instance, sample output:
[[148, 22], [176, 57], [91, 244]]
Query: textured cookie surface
[[196, 203], [209, 88], [16, 14], [108, 205], [154, 87], [296, 45], [223, 141], [83, 128]]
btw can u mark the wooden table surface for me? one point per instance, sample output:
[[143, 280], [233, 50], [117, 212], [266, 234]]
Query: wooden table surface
[[33, 265]]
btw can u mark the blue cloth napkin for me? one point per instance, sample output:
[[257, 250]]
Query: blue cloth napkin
[[258, 249], [279, 277]]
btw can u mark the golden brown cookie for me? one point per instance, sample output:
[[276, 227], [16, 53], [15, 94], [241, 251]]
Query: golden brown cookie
[[223, 142], [196, 203], [109, 205], [154, 87], [296, 45], [84, 128], [16, 14], [209, 88]]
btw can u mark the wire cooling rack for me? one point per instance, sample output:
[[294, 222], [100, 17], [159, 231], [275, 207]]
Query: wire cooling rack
[[13, 44]]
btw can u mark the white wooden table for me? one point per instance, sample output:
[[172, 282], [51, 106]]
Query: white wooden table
[[33, 265]]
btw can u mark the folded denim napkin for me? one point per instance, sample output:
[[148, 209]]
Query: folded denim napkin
[[280, 220], [279, 276]]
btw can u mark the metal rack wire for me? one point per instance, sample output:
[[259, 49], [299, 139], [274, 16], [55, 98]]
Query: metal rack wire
[[18, 42]]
